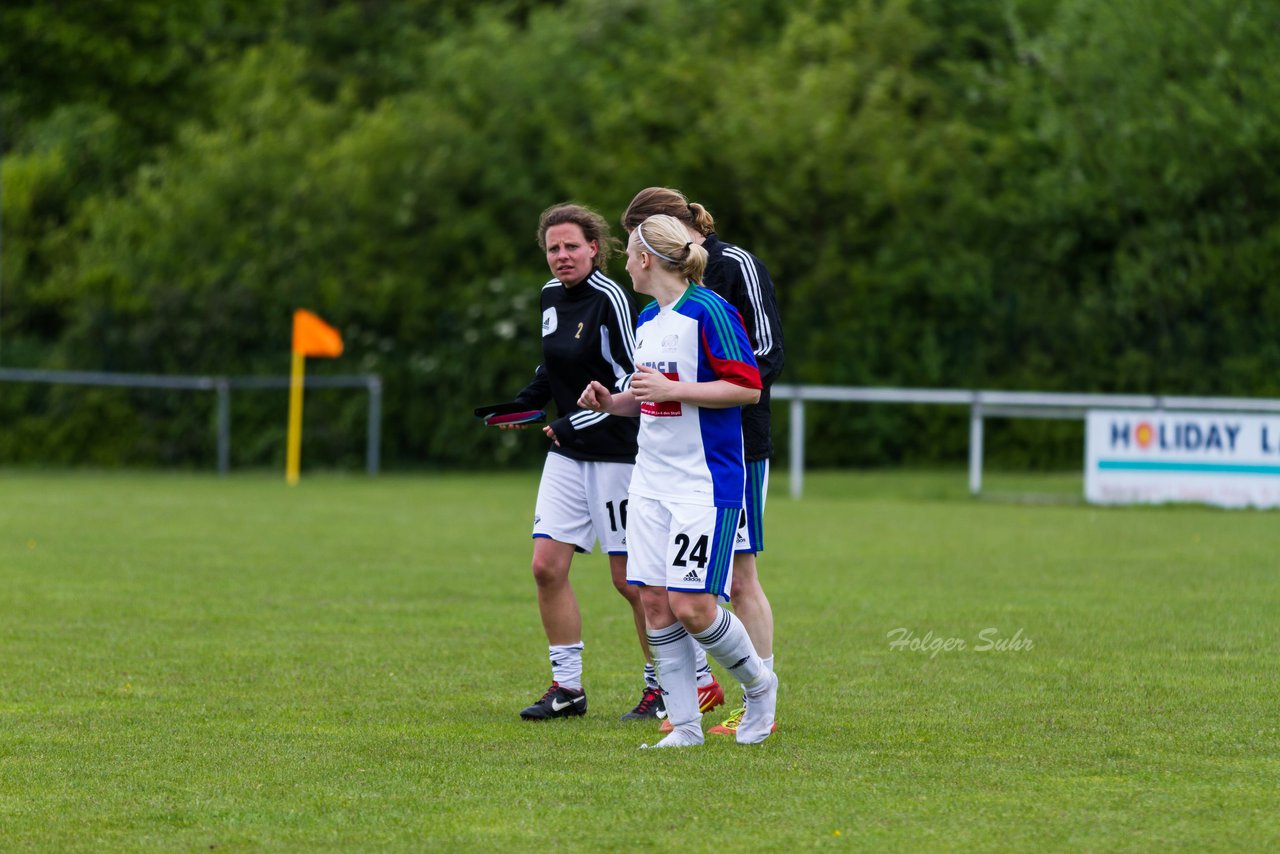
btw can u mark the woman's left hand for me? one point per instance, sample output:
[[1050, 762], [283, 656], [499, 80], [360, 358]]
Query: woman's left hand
[[651, 386]]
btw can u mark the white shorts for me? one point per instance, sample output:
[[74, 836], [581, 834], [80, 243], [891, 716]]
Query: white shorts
[[684, 547], [580, 503]]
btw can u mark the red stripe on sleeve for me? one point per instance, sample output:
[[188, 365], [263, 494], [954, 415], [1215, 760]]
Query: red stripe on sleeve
[[738, 373]]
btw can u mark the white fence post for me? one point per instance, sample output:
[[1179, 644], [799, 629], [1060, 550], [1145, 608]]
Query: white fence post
[[975, 448], [797, 446], [373, 450], [223, 387]]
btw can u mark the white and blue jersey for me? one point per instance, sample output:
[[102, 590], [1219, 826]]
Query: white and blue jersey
[[690, 454]]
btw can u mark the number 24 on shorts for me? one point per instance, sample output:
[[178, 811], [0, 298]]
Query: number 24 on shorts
[[690, 551]]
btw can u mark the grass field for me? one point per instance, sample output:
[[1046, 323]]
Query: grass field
[[201, 664]]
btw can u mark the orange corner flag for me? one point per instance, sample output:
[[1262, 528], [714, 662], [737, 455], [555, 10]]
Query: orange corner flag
[[313, 337]]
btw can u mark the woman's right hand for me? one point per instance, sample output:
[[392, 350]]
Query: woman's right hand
[[595, 397]]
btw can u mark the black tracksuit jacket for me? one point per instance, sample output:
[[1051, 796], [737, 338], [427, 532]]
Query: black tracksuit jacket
[[588, 333]]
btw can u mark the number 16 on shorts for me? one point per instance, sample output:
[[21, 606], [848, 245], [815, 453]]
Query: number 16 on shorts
[[684, 547]]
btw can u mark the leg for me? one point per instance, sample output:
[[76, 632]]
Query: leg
[[630, 592], [648, 531], [673, 654], [697, 577], [556, 603], [657, 607], [697, 611], [607, 500], [749, 601], [651, 703], [563, 625], [561, 522], [725, 639], [722, 635], [751, 605]]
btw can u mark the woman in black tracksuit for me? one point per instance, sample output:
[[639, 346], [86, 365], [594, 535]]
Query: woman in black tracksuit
[[588, 333]]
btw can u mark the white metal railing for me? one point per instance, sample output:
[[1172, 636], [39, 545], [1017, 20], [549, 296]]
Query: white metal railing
[[222, 386], [993, 404]]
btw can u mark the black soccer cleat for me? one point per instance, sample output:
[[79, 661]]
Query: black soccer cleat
[[651, 705], [556, 703]]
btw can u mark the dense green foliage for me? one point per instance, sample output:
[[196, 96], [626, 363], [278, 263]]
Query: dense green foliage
[[1035, 195]]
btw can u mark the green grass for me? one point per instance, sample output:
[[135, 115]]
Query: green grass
[[194, 664]]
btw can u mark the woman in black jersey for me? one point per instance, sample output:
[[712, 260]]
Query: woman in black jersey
[[588, 333]]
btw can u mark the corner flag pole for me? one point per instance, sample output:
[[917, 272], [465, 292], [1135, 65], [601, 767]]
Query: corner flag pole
[[293, 455], [311, 337]]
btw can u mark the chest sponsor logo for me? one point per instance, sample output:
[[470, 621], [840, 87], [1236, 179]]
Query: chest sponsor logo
[[550, 322], [668, 408]]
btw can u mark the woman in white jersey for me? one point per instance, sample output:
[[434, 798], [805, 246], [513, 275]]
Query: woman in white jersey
[[694, 371], [742, 279]]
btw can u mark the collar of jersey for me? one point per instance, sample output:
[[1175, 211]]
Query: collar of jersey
[[684, 297], [582, 289]]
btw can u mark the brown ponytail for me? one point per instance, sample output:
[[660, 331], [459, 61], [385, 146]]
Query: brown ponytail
[[664, 200]]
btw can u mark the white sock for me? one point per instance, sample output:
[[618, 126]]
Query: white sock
[[704, 669], [672, 650], [566, 665], [650, 676], [726, 640], [681, 737], [768, 665]]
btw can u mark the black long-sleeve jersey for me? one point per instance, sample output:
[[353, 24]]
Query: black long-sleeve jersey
[[742, 279], [588, 333]]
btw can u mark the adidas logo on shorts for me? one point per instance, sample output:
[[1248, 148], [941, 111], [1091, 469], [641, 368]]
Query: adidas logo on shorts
[[692, 576]]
